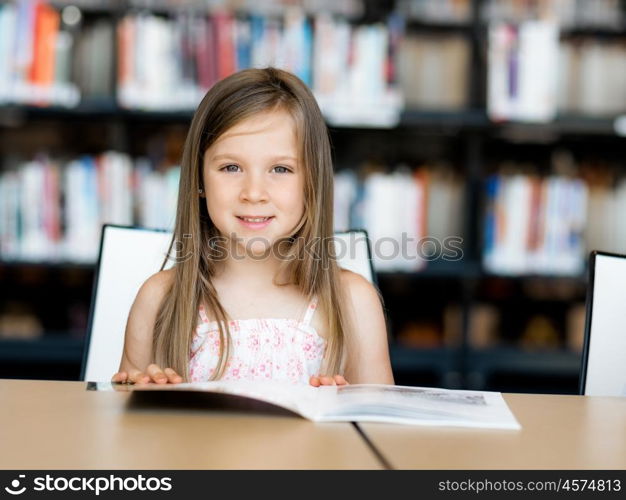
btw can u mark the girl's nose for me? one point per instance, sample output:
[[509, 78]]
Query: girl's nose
[[253, 189]]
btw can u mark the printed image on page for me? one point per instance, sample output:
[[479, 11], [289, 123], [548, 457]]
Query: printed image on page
[[414, 405]]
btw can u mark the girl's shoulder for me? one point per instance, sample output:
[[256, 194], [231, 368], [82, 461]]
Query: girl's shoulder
[[157, 285], [362, 296], [365, 316], [162, 279], [356, 285]]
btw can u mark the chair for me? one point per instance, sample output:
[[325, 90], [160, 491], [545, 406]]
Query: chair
[[603, 371], [128, 256]]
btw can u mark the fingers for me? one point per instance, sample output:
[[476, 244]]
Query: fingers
[[153, 374], [172, 376], [138, 377], [318, 380], [156, 374], [163, 376]]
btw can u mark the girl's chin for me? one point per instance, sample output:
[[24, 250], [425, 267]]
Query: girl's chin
[[259, 246], [256, 246]]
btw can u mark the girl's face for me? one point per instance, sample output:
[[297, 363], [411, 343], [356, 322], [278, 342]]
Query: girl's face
[[253, 171]]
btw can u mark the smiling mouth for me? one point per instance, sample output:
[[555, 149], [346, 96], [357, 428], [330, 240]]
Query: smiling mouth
[[255, 219]]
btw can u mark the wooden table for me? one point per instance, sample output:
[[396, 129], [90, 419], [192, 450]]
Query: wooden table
[[61, 425], [558, 432]]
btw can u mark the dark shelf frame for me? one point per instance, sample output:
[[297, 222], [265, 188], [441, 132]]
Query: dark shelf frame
[[57, 348], [445, 362], [436, 270], [470, 120], [525, 361]]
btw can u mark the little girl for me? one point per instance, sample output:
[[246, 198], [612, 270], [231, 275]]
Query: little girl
[[250, 299]]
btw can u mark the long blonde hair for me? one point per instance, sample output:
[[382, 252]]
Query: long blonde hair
[[227, 103]]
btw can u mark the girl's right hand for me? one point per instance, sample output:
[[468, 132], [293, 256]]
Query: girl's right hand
[[153, 374]]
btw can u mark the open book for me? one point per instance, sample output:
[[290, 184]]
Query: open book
[[349, 403]]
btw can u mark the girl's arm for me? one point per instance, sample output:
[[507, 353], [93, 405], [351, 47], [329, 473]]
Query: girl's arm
[[367, 350], [135, 365]]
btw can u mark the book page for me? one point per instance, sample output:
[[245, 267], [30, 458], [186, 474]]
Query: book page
[[360, 403], [414, 406]]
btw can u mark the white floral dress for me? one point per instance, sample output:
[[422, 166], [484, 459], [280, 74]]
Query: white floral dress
[[281, 349]]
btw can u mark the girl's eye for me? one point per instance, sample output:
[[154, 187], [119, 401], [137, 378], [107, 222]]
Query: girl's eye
[[228, 168], [282, 170]]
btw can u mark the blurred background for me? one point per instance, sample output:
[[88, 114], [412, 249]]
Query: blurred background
[[490, 132]]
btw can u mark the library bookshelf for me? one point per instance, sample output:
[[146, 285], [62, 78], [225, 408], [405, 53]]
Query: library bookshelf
[[458, 324]]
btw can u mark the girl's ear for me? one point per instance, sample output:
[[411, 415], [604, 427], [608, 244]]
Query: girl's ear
[[201, 193]]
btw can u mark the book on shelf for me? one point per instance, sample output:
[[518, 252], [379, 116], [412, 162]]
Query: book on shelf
[[93, 64], [437, 11], [19, 322], [532, 74], [488, 327], [522, 71], [535, 225], [81, 210], [349, 403], [169, 63], [298, 44], [605, 229], [225, 32], [570, 14], [575, 327], [539, 334], [590, 82], [34, 56], [484, 324], [47, 21], [40, 204], [53, 211], [345, 193], [445, 201], [394, 212], [434, 71], [330, 53], [351, 74], [420, 334], [401, 212], [156, 195]]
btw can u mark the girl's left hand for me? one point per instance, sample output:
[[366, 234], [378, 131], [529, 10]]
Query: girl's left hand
[[318, 380]]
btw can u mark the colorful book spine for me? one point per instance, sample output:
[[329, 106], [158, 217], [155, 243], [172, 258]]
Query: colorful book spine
[[35, 56], [51, 211], [534, 226], [46, 29]]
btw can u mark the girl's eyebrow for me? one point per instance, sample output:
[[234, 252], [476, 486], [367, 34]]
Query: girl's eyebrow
[[237, 158]]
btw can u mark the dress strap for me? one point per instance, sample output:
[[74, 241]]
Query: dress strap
[[203, 315], [310, 310]]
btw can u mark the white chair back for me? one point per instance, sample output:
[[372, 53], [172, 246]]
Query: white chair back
[[128, 257], [604, 356]]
